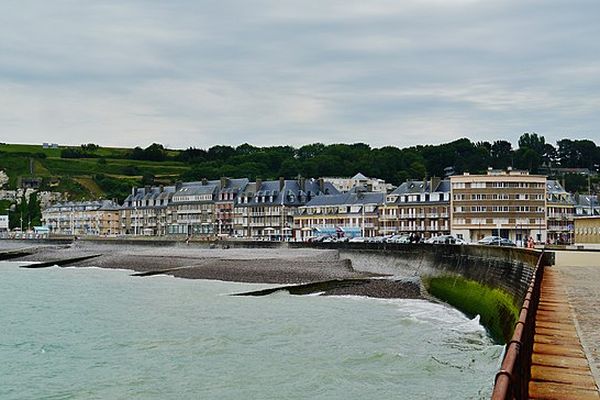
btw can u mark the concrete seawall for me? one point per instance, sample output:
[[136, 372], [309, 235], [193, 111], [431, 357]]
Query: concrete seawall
[[507, 268], [488, 281]]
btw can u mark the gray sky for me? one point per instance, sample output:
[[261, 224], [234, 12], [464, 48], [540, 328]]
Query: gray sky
[[269, 72]]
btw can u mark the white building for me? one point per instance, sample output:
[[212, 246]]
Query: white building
[[359, 180]]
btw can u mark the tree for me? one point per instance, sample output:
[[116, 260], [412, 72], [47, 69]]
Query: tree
[[91, 147], [155, 152], [147, 179], [501, 154], [533, 142], [532, 149], [34, 213]]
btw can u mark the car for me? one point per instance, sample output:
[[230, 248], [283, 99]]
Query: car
[[445, 239], [403, 239], [507, 242], [490, 240], [357, 239], [496, 241]]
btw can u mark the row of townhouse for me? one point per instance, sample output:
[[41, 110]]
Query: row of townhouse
[[225, 207], [511, 204]]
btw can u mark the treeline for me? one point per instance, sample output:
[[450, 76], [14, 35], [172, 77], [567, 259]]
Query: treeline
[[390, 163]]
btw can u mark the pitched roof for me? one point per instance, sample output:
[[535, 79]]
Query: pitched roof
[[359, 177], [348, 198]]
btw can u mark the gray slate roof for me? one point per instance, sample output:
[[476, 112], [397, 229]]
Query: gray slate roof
[[349, 198], [291, 194], [420, 186]]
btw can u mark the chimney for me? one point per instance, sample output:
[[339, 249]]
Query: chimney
[[178, 185], [302, 183], [223, 182], [321, 185], [258, 184], [204, 181], [281, 183], [161, 188], [435, 181]]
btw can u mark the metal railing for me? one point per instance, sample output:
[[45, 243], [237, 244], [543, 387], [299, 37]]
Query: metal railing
[[512, 380]]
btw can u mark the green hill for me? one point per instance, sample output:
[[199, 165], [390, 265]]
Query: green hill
[[87, 172], [90, 172]]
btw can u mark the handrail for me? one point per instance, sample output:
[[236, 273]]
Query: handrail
[[512, 380]]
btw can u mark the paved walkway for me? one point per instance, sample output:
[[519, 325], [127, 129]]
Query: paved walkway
[[566, 356], [581, 276]]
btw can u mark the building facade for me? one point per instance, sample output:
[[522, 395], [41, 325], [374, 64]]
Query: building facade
[[359, 180], [350, 214], [192, 209], [83, 218], [560, 213], [510, 204], [420, 207], [587, 230], [266, 209], [144, 211]]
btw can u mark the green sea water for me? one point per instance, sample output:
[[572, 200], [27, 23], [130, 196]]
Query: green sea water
[[88, 333]]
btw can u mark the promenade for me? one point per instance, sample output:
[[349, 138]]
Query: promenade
[[566, 357]]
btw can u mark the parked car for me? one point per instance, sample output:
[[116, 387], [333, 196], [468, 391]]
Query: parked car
[[490, 240], [445, 239], [507, 242], [496, 241], [357, 239], [402, 239]]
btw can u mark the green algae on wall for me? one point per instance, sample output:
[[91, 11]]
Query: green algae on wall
[[496, 308]]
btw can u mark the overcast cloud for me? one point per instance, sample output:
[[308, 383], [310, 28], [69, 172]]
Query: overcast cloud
[[271, 72]]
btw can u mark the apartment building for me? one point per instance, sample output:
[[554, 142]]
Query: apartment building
[[266, 209], [99, 217], [225, 204], [354, 213], [417, 206], [359, 181], [510, 204], [192, 209], [144, 211], [560, 215]]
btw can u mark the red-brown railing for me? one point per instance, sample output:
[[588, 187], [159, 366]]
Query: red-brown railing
[[512, 380]]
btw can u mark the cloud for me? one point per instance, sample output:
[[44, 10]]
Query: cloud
[[189, 73]]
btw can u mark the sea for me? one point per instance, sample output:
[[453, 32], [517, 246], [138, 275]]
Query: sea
[[90, 333]]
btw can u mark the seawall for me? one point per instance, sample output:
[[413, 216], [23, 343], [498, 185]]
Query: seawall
[[487, 280]]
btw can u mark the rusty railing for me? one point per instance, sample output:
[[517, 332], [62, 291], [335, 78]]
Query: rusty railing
[[512, 380]]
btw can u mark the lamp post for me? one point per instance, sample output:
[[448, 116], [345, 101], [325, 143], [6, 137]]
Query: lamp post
[[362, 230]]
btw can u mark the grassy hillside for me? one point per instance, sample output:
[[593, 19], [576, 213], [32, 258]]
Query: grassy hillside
[[104, 172]]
